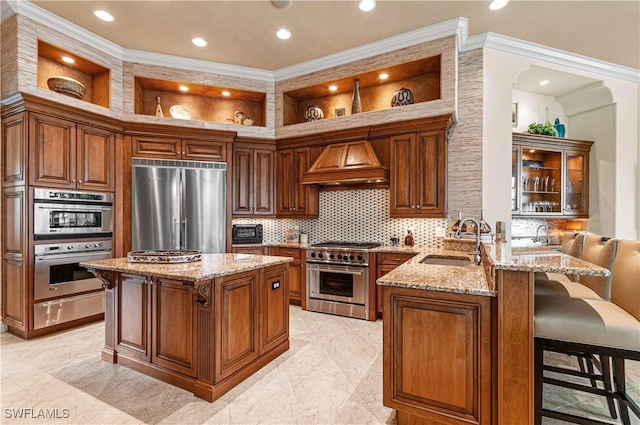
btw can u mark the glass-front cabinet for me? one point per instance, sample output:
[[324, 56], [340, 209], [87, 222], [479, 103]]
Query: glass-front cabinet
[[549, 176]]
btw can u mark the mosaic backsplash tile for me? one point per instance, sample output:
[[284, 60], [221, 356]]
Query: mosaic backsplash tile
[[360, 215]]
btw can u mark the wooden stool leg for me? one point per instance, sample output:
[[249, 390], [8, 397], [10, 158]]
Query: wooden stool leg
[[619, 378]]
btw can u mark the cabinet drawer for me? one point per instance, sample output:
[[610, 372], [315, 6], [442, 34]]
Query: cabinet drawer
[[394, 258], [156, 147], [288, 252]]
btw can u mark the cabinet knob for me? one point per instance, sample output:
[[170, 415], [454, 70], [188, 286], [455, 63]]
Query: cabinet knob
[[80, 181], [73, 180]]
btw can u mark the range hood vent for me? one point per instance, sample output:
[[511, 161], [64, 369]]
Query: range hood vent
[[351, 163]]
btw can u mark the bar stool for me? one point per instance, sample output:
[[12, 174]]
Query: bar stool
[[593, 327], [571, 245]]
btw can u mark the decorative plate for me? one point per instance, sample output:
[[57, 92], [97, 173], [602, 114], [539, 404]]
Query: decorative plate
[[164, 257], [180, 112], [66, 85]]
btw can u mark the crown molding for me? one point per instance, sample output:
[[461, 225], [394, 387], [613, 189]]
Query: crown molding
[[519, 47], [6, 9], [159, 59], [457, 26]]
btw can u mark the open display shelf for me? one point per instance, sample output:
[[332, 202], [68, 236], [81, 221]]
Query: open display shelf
[[422, 77], [94, 77], [203, 102]]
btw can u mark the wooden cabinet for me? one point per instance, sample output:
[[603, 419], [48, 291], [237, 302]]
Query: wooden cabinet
[[68, 155], [549, 176], [297, 274], [177, 148], [14, 150], [437, 356], [133, 327], [295, 199], [253, 181], [255, 250], [274, 308], [418, 174], [385, 262]]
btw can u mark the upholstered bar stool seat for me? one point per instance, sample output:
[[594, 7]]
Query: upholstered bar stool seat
[[571, 245], [564, 288]]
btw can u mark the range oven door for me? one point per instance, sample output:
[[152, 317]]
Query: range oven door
[[345, 284], [57, 275]]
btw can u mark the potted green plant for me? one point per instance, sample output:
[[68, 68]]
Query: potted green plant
[[542, 129]]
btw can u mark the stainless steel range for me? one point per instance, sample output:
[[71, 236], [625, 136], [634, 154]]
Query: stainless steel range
[[338, 278]]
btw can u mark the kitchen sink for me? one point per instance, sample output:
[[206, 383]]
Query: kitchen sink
[[445, 260]]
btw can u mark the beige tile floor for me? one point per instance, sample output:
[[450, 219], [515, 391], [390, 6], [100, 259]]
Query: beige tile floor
[[331, 375]]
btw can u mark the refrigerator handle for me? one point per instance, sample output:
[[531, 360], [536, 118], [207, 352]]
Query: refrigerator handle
[[177, 236], [183, 242]]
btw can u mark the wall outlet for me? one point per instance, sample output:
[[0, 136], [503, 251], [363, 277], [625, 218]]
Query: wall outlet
[[440, 232]]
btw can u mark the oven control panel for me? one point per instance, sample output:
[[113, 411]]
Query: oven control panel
[[62, 248], [338, 256]]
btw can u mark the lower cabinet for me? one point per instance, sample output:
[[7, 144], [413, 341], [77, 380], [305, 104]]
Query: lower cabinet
[[437, 356], [255, 250], [297, 273], [385, 262]]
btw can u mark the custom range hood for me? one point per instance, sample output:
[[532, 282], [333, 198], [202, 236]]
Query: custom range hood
[[350, 163]]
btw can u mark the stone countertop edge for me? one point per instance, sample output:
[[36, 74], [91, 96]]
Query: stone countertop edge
[[502, 256], [470, 279], [209, 267]]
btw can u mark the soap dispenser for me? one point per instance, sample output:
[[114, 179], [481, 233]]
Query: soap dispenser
[[409, 240]]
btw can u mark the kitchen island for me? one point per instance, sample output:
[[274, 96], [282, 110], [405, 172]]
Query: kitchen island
[[458, 339], [204, 326]]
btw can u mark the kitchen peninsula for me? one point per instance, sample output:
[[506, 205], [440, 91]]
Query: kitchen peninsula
[[204, 326], [458, 339]]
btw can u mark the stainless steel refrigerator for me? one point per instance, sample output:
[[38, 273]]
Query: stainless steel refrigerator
[[178, 205]]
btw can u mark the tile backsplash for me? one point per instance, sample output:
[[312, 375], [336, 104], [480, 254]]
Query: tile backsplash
[[360, 215]]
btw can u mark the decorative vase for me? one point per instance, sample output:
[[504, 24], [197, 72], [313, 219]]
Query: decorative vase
[[313, 113], [409, 240], [402, 97], [559, 127], [158, 108], [356, 108], [239, 117]]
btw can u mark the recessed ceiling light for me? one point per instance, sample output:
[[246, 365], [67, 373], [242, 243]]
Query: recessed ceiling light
[[498, 4], [333, 88], [544, 82], [281, 4], [367, 5], [383, 76], [283, 34], [68, 59], [226, 93], [183, 88], [104, 15], [200, 42]]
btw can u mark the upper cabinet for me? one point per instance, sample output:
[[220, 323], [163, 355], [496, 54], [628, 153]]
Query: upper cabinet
[[56, 62], [295, 199], [191, 101], [253, 179], [377, 90], [550, 176]]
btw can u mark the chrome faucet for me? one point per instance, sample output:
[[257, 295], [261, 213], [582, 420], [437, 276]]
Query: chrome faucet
[[546, 239], [476, 254]]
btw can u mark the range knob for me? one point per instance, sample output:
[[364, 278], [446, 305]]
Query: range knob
[[97, 245], [359, 257], [313, 255], [339, 256], [331, 256], [69, 246], [320, 255], [88, 245], [351, 257]]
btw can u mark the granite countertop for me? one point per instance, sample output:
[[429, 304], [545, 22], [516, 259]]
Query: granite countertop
[[470, 279], [210, 266], [502, 256], [381, 248]]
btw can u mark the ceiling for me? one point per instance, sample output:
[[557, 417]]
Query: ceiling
[[243, 32]]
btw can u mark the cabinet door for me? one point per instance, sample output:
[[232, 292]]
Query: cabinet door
[[515, 180], [204, 150], [304, 198], [576, 199], [15, 295], [263, 168], [274, 311], [14, 150], [242, 180], [430, 187], [297, 274], [541, 183], [156, 147], [402, 175], [52, 152], [174, 345], [284, 187], [96, 158], [381, 270], [133, 314], [236, 323]]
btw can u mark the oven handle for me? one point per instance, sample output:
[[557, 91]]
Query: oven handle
[[88, 208], [55, 257], [336, 268]]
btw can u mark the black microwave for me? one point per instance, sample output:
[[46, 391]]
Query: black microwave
[[246, 233]]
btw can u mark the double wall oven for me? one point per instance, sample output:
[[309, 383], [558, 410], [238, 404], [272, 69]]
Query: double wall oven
[[69, 227], [338, 278]]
